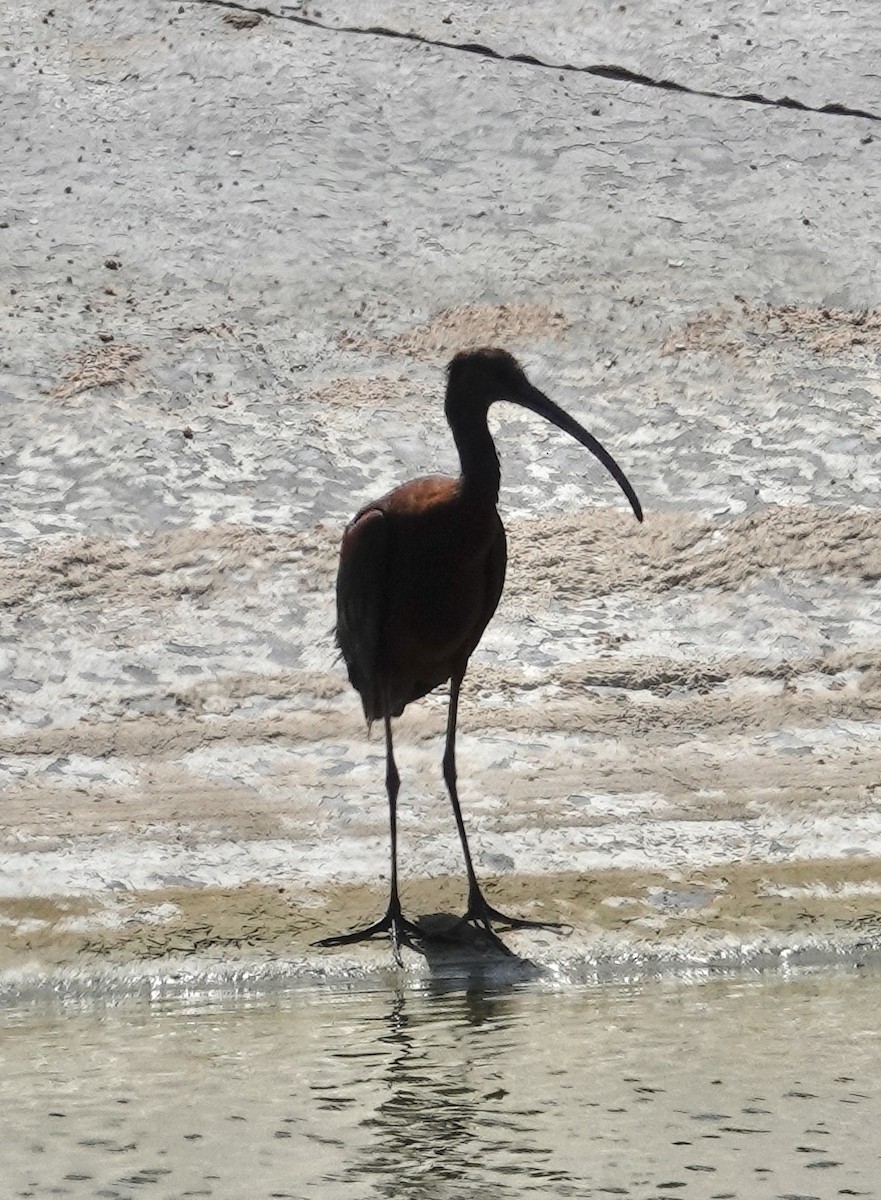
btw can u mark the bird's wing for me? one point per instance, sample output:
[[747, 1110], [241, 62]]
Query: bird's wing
[[361, 600]]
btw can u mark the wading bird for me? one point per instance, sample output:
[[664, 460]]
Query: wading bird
[[421, 572]]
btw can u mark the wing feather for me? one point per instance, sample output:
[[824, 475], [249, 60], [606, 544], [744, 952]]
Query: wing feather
[[361, 604]]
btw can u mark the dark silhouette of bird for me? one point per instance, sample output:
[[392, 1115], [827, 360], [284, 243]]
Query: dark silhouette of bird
[[421, 572]]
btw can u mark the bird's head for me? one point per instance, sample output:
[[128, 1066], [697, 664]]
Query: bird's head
[[478, 378]]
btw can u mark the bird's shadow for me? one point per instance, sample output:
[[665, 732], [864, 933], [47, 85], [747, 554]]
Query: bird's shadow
[[456, 952]]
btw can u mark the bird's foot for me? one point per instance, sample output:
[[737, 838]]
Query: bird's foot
[[481, 912], [401, 932]]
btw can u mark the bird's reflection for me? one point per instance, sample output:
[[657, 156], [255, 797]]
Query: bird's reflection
[[447, 1112]]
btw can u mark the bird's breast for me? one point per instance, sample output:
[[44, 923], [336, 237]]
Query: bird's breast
[[438, 532]]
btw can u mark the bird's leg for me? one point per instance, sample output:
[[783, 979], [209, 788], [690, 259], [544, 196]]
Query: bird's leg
[[479, 909], [400, 930]]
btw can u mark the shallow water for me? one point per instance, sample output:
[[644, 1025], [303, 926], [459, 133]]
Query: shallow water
[[742, 1089]]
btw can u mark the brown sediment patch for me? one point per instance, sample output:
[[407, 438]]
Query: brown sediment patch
[[376, 391], [663, 676], [224, 692], [96, 367], [744, 899], [592, 553], [167, 737], [666, 718], [600, 552], [707, 331], [465, 327], [146, 925], [576, 708], [42, 927], [735, 902], [161, 566], [823, 331]]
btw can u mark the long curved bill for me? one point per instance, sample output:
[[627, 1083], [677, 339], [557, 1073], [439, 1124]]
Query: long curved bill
[[538, 403]]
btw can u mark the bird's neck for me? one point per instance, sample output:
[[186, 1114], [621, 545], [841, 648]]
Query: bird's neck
[[480, 473]]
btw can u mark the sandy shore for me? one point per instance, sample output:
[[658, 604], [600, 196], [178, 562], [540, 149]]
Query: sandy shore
[[240, 257]]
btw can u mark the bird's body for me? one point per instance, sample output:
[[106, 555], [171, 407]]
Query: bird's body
[[421, 573]]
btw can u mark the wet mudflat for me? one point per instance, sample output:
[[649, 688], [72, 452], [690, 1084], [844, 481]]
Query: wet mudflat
[[737, 1088]]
